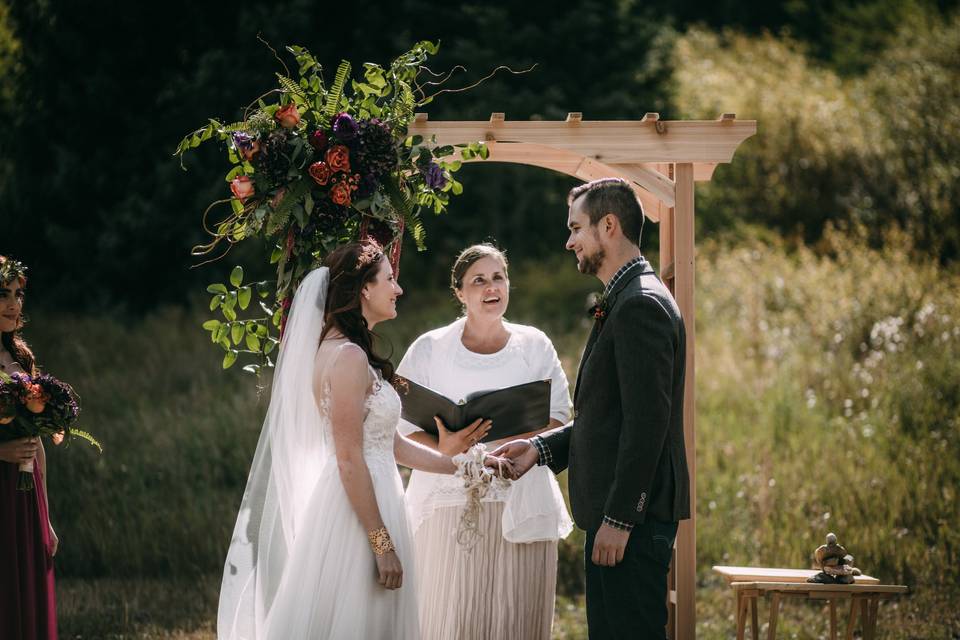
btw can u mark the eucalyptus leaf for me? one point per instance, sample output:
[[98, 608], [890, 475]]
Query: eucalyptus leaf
[[229, 358], [216, 288], [236, 333], [243, 297], [253, 342], [236, 276], [212, 325]]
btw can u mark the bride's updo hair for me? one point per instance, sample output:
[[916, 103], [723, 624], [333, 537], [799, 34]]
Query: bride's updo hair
[[12, 341], [351, 267]]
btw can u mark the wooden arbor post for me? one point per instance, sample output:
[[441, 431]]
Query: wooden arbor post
[[662, 160]]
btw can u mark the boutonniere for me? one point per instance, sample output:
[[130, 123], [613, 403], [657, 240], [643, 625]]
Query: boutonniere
[[600, 309]]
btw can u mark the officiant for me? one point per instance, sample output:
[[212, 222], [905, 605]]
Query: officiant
[[504, 586]]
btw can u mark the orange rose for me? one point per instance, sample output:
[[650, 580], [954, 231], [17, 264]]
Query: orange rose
[[288, 116], [242, 187], [340, 193], [338, 157], [36, 399], [6, 420], [320, 172]]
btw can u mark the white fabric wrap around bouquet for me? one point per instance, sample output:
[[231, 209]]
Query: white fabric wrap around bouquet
[[534, 510]]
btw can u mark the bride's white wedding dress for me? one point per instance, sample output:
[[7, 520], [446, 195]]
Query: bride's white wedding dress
[[299, 565], [330, 587]]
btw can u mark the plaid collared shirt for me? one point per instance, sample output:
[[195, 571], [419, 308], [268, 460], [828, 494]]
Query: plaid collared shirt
[[619, 274]]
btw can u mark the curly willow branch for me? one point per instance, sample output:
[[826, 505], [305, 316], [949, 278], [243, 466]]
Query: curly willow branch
[[482, 80]]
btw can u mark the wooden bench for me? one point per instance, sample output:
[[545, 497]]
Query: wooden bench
[[749, 583]]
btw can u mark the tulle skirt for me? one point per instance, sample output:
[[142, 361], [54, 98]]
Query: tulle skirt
[[329, 589]]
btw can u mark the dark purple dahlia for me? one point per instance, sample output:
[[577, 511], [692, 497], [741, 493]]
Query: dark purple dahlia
[[344, 127], [272, 161], [376, 152]]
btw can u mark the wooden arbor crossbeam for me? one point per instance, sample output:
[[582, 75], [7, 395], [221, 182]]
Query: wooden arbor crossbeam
[[636, 151], [662, 161]]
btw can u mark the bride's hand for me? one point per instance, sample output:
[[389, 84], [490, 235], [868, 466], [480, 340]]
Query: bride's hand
[[503, 467], [390, 570], [454, 442]]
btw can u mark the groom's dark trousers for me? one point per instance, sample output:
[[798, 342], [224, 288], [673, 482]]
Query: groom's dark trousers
[[627, 601], [625, 451]]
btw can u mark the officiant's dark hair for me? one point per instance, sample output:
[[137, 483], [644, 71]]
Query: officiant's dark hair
[[12, 341], [611, 195], [470, 255], [351, 267]]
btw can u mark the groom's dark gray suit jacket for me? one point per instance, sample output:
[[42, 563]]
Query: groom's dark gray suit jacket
[[625, 448]]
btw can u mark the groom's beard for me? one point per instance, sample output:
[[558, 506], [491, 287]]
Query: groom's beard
[[591, 264]]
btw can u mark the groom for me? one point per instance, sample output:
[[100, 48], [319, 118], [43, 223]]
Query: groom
[[628, 472]]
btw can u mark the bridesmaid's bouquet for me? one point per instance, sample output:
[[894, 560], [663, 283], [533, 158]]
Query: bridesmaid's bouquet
[[36, 406]]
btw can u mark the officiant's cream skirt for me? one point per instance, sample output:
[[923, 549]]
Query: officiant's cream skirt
[[498, 590]]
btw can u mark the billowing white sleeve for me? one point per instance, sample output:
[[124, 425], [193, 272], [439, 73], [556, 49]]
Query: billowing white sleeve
[[561, 408], [415, 366]]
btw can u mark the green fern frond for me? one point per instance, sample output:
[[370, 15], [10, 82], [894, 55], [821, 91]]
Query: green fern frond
[[336, 90], [290, 86], [403, 203], [278, 219], [86, 436]]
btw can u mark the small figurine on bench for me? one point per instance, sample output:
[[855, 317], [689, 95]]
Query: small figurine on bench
[[835, 564]]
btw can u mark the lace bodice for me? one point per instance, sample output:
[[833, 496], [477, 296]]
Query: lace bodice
[[380, 424], [382, 414]]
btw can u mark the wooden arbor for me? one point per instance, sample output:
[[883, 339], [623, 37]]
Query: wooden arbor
[[662, 160]]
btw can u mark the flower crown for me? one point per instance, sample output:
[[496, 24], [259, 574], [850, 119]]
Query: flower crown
[[370, 253], [10, 269]]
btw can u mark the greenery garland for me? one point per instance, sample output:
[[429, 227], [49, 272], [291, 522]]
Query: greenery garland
[[318, 167]]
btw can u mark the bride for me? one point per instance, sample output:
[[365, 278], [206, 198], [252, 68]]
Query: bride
[[322, 547]]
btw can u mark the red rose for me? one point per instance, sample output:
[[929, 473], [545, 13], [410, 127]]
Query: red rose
[[319, 141], [288, 116], [320, 172], [340, 193], [338, 157], [242, 188]]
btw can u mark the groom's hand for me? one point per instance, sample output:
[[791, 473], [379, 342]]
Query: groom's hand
[[609, 545], [521, 453]]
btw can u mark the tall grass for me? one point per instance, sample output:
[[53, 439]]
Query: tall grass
[[828, 400]]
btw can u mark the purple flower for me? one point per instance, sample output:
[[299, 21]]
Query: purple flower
[[345, 127], [242, 140], [433, 176]]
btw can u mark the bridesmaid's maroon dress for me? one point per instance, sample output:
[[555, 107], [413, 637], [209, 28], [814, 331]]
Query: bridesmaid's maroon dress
[[27, 600]]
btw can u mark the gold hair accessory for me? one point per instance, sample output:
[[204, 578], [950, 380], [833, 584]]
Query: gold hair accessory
[[10, 269], [380, 541]]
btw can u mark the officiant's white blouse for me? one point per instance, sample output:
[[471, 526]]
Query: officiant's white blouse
[[534, 509]]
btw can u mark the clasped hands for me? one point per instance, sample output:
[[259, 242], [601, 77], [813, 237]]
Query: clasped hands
[[452, 443]]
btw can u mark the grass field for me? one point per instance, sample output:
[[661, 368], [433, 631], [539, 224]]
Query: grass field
[[828, 400]]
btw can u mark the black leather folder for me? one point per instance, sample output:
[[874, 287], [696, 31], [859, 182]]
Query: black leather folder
[[513, 410]]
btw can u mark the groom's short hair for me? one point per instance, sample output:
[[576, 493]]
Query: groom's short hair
[[611, 195]]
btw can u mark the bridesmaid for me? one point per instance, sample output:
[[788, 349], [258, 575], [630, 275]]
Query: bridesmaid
[[504, 587], [27, 540]]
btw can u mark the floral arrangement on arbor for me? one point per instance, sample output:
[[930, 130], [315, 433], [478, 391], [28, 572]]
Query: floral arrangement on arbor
[[318, 166]]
